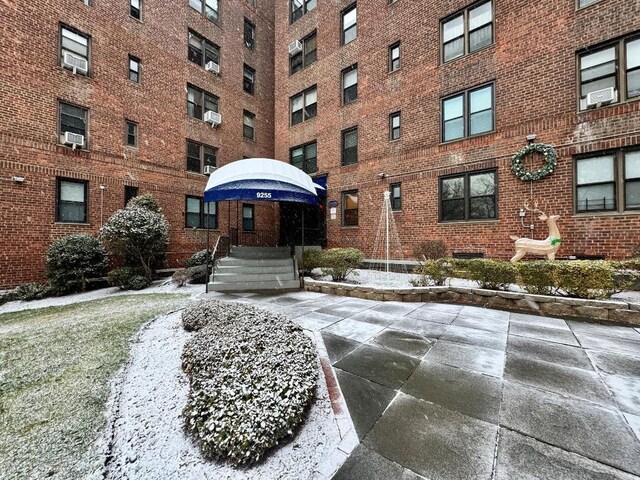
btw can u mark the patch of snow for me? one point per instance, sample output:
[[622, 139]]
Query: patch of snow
[[146, 434], [159, 286]]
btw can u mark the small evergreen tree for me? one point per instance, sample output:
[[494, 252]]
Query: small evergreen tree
[[72, 259]]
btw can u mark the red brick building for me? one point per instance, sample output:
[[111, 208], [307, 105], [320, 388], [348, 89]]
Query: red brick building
[[430, 99], [138, 97], [446, 92]]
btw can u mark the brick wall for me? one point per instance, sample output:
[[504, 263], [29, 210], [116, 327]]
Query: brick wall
[[32, 82], [533, 65]]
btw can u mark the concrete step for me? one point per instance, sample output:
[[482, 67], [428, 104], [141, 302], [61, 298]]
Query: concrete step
[[260, 252], [255, 262], [252, 268], [224, 277], [249, 286]]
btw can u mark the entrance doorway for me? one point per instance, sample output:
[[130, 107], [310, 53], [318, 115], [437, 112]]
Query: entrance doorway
[[315, 224]]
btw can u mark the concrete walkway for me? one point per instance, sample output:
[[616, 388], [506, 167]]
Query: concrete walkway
[[453, 392]]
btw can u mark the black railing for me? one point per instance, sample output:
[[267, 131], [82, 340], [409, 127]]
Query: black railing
[[255, 238]]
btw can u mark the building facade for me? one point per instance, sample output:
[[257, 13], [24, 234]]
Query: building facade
[[432, 99], [429, 100], [130, 82]]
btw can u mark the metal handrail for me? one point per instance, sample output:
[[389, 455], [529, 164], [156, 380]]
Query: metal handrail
[[213, 263]]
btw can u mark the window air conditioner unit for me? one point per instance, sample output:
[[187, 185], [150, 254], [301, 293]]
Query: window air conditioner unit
[[214, 118], [209, 169], [602, 97], [295, 47], [73, 139], [75, 63], [212, 67]]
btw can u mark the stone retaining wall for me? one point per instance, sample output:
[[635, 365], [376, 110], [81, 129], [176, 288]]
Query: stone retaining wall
[[597, 310]]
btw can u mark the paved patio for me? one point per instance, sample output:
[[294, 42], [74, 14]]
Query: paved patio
[[452, 392]]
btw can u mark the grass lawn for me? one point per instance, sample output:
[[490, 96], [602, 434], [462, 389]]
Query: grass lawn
[[56, 364]]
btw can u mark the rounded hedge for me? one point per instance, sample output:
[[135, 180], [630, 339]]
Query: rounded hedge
[[72, 259], [252, 376]]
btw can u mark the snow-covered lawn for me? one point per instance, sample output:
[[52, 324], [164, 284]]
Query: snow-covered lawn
[[56, 364]]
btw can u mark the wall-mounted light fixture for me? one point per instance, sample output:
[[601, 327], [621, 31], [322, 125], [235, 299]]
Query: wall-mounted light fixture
[[18, 180], [531, 138], [381, 175]]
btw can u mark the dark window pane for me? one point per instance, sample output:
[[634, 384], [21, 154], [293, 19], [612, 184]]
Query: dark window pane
[[453, 209], [210, 156], [296, 63], [482, 208]]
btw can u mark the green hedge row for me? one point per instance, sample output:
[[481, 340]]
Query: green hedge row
[[336, 262], [578, 278]]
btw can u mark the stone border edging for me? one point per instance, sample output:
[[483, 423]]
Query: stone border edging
[[598, 310]]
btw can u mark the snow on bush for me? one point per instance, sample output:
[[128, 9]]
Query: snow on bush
[[198, 258], [73, 259], [252, 375]]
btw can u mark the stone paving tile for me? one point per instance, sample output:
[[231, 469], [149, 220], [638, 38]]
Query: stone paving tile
[[365, 400], [354, 329], [397, 308], [443, 307], [471, 311], [548, 352], [523, 458], [611, 344], [420, 327], [606, 330], [365, 463], [469, 357], [379, 365], [626, 391], [315, 320], [348, 307], [615, 363], [538, 320], [338, 347], [634, 422], [433, 441], [482, 322], [378, 318], [572, 424], [568, 381], [473, 336], [432, 315], [403, 342], [469, 393], [543, 333]]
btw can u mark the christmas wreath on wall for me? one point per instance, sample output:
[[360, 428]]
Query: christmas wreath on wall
[[548, 155]]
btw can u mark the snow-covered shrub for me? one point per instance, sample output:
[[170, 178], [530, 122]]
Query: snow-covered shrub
[[200, 314], [180, 277], [128, 278], [197, 274], [146, 201], [198, 258], [340, 262], [31, 291], [73, 259], [432, 272], [137, 234], [252, 376]]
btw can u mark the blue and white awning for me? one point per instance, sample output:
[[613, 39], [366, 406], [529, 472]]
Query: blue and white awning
[[260, 179]]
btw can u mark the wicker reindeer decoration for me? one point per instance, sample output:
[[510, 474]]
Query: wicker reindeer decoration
[[547, 247]]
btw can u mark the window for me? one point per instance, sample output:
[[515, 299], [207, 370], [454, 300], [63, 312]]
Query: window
[[199, 214], [199, 101], [305, 157], [71, 201], [74, 120], [200, 156], [76, 44], [131, 133], [129, 193], [134, 69], [614, 66], [467, 31], [394, 57], [304, 105], [248, 120], [396, 196], [394, 126], [468, 113], [350, 208], [307, 56], [248, 221], [209, 8], [349, 26], [135, 9], [469, 196], [202, 51], [300, 7], [249, 34], [249, 81], [350, 146], [350, 84], [602, 177], [584, 3]]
